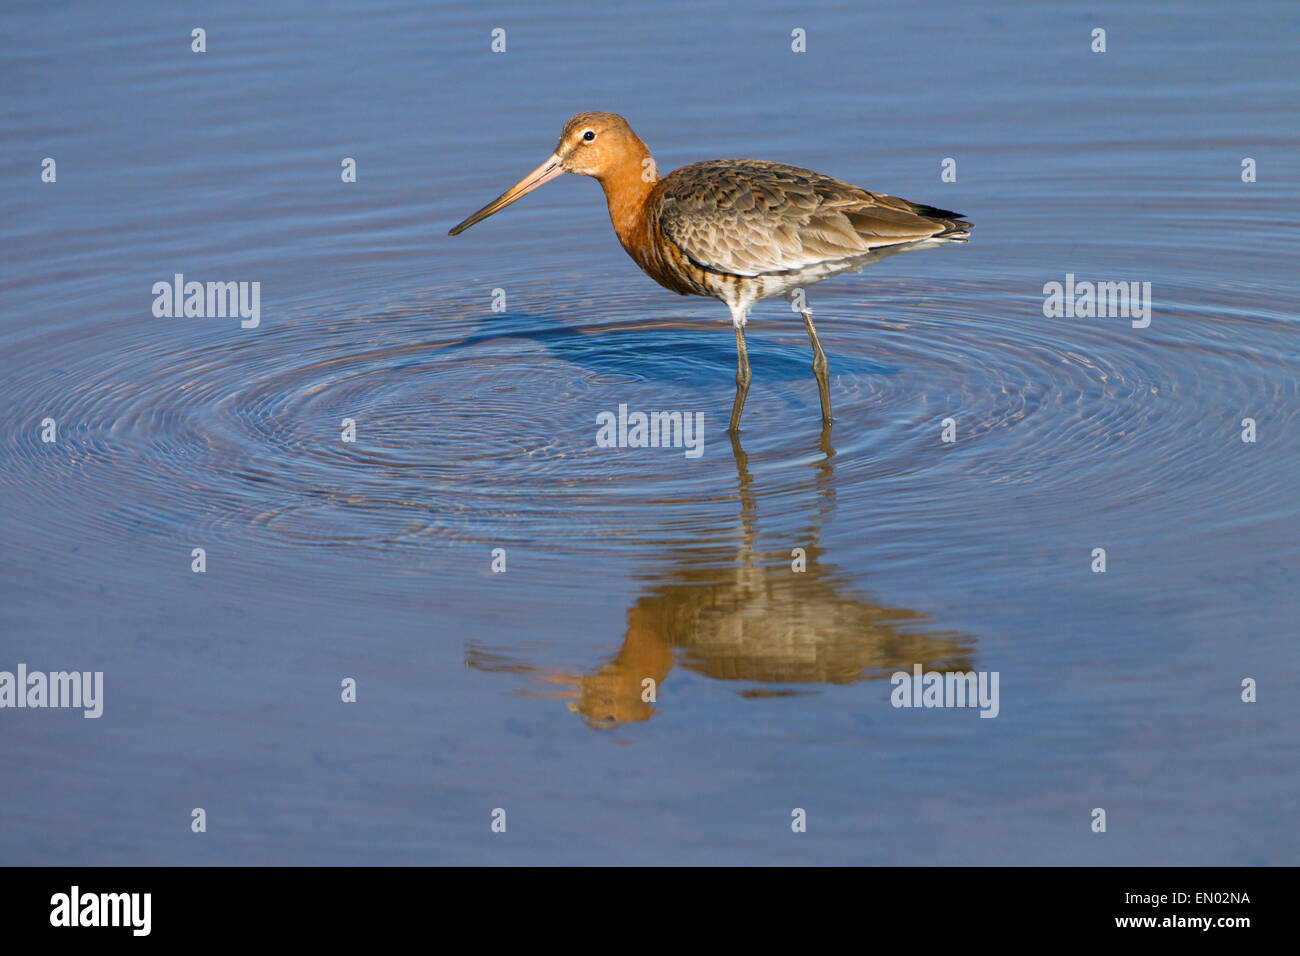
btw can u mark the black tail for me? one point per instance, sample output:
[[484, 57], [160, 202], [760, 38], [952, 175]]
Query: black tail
[[956, 227]]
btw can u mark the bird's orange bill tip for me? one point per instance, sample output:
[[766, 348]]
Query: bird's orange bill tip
[[543, 174]]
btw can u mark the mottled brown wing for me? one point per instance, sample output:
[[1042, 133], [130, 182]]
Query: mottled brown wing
[[748, 217]]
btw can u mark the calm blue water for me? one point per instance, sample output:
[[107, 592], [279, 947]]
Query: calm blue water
[[475, 428]]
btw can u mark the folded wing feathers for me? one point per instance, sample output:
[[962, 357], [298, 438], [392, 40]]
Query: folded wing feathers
[[748, 217]]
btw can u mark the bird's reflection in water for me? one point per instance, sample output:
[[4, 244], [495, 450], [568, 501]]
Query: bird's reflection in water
[[729, 612]]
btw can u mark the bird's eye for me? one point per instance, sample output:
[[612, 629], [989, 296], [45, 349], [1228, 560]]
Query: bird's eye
[[589, 136]]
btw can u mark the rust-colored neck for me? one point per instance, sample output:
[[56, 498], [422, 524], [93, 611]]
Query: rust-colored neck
[[626, 185]]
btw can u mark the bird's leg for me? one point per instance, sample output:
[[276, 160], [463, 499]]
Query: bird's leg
[[743, 376], [820, 366]]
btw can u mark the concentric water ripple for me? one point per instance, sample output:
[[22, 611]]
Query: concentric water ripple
[[472, 425]]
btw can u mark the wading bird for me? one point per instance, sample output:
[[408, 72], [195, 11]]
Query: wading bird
[[739, 230]]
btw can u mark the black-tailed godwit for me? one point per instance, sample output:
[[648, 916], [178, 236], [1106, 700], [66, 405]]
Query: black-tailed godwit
[[739, 230]]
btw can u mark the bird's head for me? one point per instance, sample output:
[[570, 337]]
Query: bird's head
[[594, 143], [591, 144]]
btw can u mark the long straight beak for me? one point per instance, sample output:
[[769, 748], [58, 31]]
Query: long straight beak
[[543, 174]]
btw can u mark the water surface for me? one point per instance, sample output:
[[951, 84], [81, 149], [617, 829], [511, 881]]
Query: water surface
[[476, 430]]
